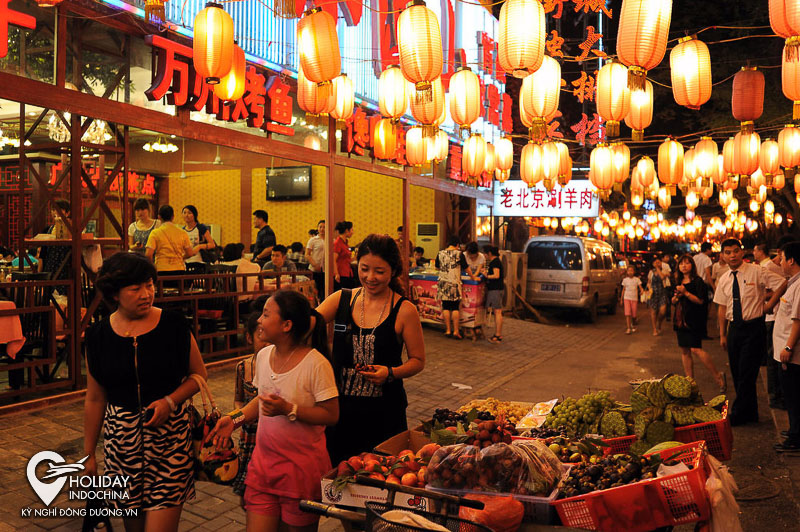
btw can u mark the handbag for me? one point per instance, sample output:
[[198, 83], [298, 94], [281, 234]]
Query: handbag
[[210, 463]]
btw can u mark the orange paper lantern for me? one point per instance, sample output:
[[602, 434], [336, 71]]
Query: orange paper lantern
[[621, 162], [601, 167], [213, 43], [416, 147], [642, 37], [664, 198], [384, 139], [429, 111], [727, 156], [489, 161], [690, 70], [705, 157], [540, 95], [466, 105], [746, 147], [747, 101], [790, 81], [231, 86], [640, 115], [393, 92], [670, 164], [521, 37], [316, 101], [318, 46], [784, 17], [504, 154], [473, 156], [789, 146], [344, 98], [613, 96], [530, 165], [419, 43], [768, 161], [646, 170]]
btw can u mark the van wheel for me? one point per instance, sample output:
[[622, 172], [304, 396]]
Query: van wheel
[[612, 308], [592, 310]]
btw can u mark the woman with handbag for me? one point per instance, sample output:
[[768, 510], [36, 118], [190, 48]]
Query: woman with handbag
[[657, 280], [199, 236], [138, 361], [371, 327], [690, 317], [297, 399]]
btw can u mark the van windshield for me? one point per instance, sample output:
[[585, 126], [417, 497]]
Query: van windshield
[[554, 256]]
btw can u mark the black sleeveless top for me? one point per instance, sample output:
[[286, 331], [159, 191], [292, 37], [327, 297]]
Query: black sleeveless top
[[163, 360], [385, 350]]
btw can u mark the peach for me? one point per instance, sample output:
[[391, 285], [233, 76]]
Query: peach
[[372, 466], [422, 475], [391, 479], [377, 476], [409, 479], [413, 466], [405, 455], [356, 463], [427, 451], [400, 471]]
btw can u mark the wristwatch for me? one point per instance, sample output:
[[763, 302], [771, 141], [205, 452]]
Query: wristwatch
[[293, 414], [787, 349], [390, 377]]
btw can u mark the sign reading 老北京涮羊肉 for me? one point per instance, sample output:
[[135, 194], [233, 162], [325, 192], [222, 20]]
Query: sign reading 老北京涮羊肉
[[515, 198]]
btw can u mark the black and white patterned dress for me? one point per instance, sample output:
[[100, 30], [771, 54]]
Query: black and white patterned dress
[[158, 461]]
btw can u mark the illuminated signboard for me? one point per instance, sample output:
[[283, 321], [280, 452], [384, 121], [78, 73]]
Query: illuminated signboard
[[577, 198]]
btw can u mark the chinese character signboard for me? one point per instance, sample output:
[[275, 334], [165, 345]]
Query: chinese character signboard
[[577, 198]]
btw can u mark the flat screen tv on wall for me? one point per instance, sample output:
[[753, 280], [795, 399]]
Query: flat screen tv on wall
[[289, 183]]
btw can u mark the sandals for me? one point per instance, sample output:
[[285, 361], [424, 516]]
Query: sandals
[[457, 336], [495, 339], [448, 335]]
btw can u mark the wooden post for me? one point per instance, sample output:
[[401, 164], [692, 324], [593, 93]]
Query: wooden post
[[405, 251], [61, 47], [76, 213]]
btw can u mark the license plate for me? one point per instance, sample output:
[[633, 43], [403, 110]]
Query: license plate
[[548, 287]]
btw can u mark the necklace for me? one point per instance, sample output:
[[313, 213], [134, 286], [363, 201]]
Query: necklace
[[283, 366], [371, 335]]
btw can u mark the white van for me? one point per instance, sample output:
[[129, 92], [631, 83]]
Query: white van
[[573, 272]]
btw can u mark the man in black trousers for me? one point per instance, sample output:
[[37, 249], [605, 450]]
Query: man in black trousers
[[741, 295]]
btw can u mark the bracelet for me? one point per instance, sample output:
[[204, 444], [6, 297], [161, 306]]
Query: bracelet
[[237, 416], [171, 403]]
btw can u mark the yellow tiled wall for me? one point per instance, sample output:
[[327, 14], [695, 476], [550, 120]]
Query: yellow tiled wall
[[374, 204], [291, 220], [215, 193]]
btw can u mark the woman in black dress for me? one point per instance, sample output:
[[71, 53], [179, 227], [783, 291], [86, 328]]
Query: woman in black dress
[[372, 324], [138, 360], [689, 320]]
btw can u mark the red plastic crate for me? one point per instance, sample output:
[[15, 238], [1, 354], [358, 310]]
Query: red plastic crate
[[667, 501], [717, 435]]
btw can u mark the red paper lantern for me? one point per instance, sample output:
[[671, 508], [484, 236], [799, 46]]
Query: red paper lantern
[[784, 17], [790, 81], [747, 101], [384, 139], [231, 86]]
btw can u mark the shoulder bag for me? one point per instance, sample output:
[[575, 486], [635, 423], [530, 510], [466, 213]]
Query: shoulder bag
[[210, 464]]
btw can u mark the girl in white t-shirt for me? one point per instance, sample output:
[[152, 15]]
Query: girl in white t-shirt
[[629, 298], [297, 398]]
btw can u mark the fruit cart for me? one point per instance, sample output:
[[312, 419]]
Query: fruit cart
[[423, 290], [377, 515]]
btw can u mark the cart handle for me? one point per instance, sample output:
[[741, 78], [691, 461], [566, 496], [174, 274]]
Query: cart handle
[[461, 501], [329, 510]]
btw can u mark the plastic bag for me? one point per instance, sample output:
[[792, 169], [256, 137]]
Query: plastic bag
[[721, 488], [501, 514], [544, 470], [454, 467]]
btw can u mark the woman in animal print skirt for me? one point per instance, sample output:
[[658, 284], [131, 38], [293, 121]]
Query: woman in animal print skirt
[[138, 360]]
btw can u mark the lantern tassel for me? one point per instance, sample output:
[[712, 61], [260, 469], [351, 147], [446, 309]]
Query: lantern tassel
[[748, 126], [424, 92], [744, 181], [341, 124], [796, 111], [612, 129], [792, 48], [285, 9], [538, 129], [429, 131], [464, 129], [789, 173], [637, 77], [549, 184], [637, 135], [154, 11]]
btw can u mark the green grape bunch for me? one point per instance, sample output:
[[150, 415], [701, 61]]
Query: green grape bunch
[[579, 417]]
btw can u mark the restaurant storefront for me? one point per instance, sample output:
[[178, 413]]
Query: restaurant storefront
[[100, 107]]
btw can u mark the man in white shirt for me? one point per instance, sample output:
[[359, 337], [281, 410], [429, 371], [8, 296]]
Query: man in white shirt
[[761, 255], [702, 262], [741, 295], [784, 338], [315, 253]]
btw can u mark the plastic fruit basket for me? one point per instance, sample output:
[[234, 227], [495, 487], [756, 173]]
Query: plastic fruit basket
[[717, 435], [666, 501]]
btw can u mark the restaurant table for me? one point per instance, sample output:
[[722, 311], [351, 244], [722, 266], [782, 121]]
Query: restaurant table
[[423, 290]]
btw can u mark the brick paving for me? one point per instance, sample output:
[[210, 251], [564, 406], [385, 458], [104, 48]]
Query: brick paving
[[535, 362]]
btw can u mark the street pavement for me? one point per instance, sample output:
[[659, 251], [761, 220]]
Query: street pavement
[[535, 362]]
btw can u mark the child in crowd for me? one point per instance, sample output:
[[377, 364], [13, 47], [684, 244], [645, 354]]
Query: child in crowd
[[297, 398], [629, 298], [494, 290], [297, 255], [245, 392]]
